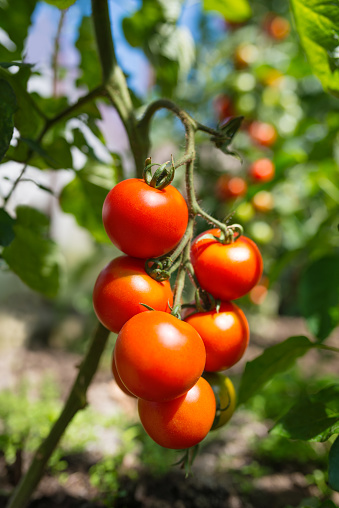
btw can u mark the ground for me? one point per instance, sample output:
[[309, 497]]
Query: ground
[[225, 474]]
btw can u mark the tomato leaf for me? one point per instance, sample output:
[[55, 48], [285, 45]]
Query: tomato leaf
[[313, 418], [6, 228], [317, 23], [333, 470], [90, 71], [274, 360], [32, 255], [15, 17], [235, 12], [8, 106], [319, 296], [84, 196]]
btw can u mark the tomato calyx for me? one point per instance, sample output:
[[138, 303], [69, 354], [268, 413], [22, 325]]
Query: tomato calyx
[[187, 459], [157, 268], [229, 234], [204, 301], [162, 177]]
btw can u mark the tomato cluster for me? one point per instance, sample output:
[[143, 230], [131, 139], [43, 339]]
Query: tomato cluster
[[172, 365]]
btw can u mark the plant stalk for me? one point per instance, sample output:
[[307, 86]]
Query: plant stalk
[[75, 402]]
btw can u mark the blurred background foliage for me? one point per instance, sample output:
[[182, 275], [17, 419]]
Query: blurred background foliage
[[267, 61]]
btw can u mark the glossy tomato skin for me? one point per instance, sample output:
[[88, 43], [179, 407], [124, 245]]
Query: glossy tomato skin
[[182, 422], [144, 222], [120, 289], [225, 335], [227, 271], [225, 397], [159, 357], [118, 381]]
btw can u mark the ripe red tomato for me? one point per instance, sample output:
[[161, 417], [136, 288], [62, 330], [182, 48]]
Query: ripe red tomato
[[262, 170], [225, 396], [118, 381], [225, 335], [144, 222], [120, 289], [230, 187], [182, 422], [227, 271], [223, 107], [262, 133], [159, 357]]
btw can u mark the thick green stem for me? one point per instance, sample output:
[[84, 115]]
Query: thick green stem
[[76, 401], [116, 85]]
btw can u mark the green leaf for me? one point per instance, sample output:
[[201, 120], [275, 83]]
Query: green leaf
[[27, 119], [15, 16], [32, 255], [84, 196], [90, 70], [312, 418], [236, 12], [6, 228], [319, 296], [274, 360], [8, 106], [333, 470], [61, 4], [317, 22]]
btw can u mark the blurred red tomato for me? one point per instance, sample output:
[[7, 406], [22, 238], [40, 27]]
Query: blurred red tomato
[[262, 133], [230, 187]]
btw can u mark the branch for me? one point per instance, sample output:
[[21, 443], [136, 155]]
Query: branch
[[76, 401]]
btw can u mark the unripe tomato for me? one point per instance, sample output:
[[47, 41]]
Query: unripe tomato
[[144, 222], [262, 133], [120, 289], [225, 396], [225, 335], [228, 188], [227, 271], [262, 170], [118, 381], [245, 54], [159, 357], [263, 201], [182, 422]]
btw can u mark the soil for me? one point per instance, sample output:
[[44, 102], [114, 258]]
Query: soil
[[217, 478]]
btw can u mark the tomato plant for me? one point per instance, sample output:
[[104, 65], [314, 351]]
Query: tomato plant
[[142, 221], [226, 270], [225, 333], [122, 287], [225, 397], [182, 422], [159, 357]]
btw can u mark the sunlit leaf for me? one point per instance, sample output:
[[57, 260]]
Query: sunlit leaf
[[235, 12], [317, 22], [274, 360], [8, 106], [32, 255], [84, 196], [61, 4]]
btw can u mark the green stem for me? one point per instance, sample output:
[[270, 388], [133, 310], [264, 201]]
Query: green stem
[[327, 348], [180, 280], [76, 401], [116, 85]]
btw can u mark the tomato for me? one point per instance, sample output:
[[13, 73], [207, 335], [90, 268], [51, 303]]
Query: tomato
[[225, 335], [120, 289], [227, 271], [262, 133], [230, 187], [262, 170], [277, 27], [182, 422], [225, 396], [223, 107], [118, 381], [144, 222], [159, 357], [263, 201]]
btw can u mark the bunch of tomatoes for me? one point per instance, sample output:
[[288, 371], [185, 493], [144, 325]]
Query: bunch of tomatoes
[[172, 362]]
